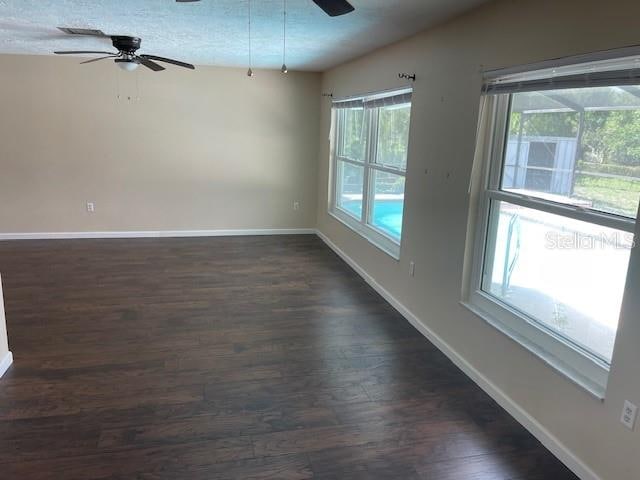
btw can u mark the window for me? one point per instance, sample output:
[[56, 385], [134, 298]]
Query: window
[[371, 137], [558, 200]]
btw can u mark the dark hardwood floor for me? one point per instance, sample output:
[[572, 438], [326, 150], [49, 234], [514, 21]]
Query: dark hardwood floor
[[232, 358]]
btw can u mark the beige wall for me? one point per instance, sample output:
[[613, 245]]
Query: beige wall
[[209, 149], [447, 61]]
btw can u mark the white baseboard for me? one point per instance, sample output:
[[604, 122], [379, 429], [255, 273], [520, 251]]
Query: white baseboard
[[5, 363], [575, 464], [155, 234]]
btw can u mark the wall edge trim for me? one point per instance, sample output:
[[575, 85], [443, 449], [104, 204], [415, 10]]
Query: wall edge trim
[[156, 234]]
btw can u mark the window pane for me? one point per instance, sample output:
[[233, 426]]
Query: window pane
[[353, 134], [350, 187], [388, 203], [393, 136], [579, 146], [566, 274]]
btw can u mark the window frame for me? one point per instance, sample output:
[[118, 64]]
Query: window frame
[[364, 226], [578, 364]]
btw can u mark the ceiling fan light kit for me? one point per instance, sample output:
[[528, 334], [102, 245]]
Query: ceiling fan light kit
[[126, 64]]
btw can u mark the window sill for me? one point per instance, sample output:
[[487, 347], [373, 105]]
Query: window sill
[[596, 389], [375, 238]]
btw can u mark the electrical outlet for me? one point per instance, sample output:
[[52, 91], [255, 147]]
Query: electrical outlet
[[629, 412], [412, 268], [296, 205], [91, 207]]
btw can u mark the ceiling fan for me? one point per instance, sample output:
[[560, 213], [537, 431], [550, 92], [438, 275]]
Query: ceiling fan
[[333, 8], [126, 56]]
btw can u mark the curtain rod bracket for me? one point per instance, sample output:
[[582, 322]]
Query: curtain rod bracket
[[327, 95]]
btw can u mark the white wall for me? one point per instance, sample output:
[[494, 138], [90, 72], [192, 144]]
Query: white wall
[[203, 149], [447, 61], [5, 355]]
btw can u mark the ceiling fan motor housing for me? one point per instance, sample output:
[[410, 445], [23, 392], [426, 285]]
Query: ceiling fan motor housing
[[126, 44]]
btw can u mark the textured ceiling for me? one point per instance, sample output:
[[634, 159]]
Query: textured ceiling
[[215, 32]]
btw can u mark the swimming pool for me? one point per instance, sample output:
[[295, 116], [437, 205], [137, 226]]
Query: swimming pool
[[386, 215]]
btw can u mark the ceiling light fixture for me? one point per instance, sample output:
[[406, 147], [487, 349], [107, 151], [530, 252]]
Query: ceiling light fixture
[[127, 65], [284, 68], [250, 71]]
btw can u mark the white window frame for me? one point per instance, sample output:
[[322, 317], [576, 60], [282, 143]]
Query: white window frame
[[578, 364], [364, 226]]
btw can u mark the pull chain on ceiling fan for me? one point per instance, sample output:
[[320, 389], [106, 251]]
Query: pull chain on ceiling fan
[[284, 68], [250, 71]]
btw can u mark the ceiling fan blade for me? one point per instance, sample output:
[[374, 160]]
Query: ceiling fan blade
[[79, 52], [99, 58], [169, 60], [82, 31], [149, 64], [335, 8]]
